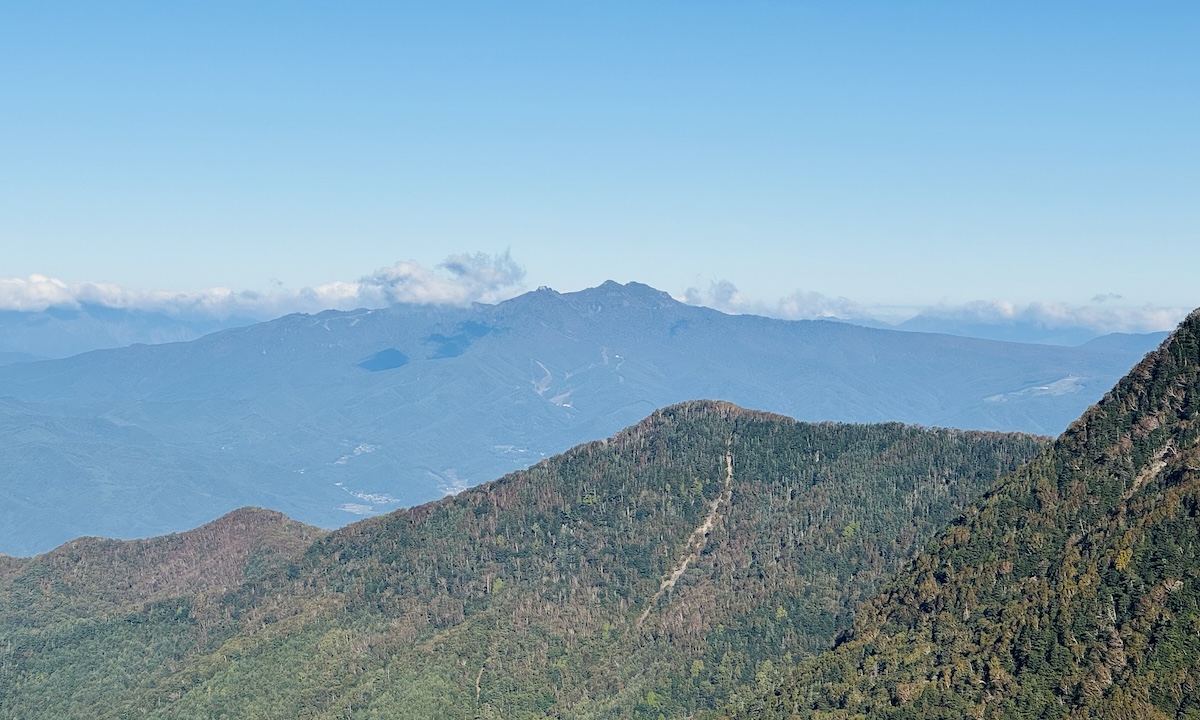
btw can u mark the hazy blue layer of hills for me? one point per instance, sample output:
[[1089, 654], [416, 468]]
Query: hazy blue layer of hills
[[330, 416], [62, 332], [59, 332], [1009, 331], [8, 358]]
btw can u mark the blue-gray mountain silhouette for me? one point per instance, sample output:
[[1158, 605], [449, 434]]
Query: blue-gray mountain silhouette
[[330, 416]]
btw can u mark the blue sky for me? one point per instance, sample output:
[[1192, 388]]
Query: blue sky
[[893, 154]]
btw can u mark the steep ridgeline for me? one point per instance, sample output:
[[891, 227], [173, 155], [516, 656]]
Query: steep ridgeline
[[648, 575], [339, 415], [1070, 590]]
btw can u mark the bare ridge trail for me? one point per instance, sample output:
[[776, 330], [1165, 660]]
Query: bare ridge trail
[[698, 537]]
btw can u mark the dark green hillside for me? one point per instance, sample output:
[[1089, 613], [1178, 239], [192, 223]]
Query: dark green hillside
[[652, 574], [9, 565], [1071, 590]]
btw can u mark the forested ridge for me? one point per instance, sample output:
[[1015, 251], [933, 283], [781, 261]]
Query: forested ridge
[[92, 577], [1071, 590], [538, 595]]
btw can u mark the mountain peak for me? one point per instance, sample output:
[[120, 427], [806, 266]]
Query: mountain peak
[[712, 408], [609, 294], [631, 294], [95, 574]]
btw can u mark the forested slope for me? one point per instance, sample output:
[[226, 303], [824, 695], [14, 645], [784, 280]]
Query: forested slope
[[1070, 590], [76, 623], [651, 574]]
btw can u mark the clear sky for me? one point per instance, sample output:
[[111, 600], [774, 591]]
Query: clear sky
[[894, 153]]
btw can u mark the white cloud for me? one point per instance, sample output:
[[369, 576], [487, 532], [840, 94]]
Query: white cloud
[[801, 305], [38, 292], [459, 280], [1100, 317]]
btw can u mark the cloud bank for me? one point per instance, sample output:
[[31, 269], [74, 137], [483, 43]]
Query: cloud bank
[[1100, 317], [1000, 319], [458, 280], [801, 305]]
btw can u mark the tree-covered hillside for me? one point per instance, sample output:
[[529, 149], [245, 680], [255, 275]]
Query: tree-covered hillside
[[72, 630], [652, 574], [1071, 590], [92, 577]]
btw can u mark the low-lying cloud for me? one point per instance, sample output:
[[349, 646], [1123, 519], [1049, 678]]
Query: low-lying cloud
[[801, 305], [458, 280], [1037, 321], [1101, 317]]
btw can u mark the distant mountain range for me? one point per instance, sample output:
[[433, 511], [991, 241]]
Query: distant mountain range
[[1009, 331], [59, 332], [340, 414], [8, 358], [62, 332]]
